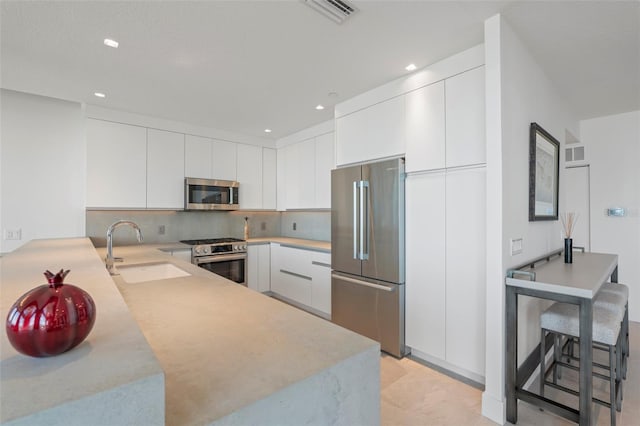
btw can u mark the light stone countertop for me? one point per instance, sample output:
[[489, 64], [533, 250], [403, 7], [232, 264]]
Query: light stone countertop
[[224, 347], [323, 246], [114, 355]]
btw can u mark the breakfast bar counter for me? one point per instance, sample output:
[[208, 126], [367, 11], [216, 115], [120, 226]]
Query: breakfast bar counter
[[234, 356], [552, 279]]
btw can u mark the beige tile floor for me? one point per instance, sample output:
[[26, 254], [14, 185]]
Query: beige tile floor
[[412, 394]]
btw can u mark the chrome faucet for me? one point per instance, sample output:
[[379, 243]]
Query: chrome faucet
[[110, 259]]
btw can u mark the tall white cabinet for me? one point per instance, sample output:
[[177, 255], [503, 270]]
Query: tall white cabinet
[[165, 169], [465, 268], [250, 176], [116, 170], [426, 263], [445, 267], [445, 223]]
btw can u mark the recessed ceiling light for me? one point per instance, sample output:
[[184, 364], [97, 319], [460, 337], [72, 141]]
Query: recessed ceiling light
[[267, 130], [99, 95], [319, 107], [411, 67], [111, 43]]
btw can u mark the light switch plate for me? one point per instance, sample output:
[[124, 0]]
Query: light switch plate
[[516, 246]]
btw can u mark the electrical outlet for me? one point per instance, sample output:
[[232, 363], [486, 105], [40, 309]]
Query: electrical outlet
[[516, 246], [263, 226], [294, 226], [161, 230], [13, 234]]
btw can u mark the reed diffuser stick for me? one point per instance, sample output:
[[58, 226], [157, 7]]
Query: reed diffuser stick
[[569, 220]]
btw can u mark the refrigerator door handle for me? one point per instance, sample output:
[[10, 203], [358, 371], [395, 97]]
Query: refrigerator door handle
[[364, 220], [355, 220], [364, 283]]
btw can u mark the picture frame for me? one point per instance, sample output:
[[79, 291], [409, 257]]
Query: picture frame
[[544, 169]]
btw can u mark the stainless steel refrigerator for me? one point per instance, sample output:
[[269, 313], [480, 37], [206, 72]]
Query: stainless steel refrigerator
[[367, 251]]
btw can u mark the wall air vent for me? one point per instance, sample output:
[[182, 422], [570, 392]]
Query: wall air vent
[[336, 10]]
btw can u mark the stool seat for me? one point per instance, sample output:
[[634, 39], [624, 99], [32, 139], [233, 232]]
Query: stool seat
[[617, 288], [563, 318], [610, 300]]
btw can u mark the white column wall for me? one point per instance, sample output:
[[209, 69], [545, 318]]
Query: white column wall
[[43, 168], [518, 93], [612, 149]]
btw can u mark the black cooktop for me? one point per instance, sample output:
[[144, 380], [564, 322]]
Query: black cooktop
[[211, 241]]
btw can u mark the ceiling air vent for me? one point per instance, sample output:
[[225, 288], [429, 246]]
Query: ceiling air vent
[[336, 10]]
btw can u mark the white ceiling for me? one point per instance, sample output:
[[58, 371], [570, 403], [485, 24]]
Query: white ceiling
[[245, 66]]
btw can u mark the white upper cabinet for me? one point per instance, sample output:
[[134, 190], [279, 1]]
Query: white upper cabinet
[[324, 163], [299, 164], [249, 175], [269, 178], [116, 165], [425, 125], [465, 123], [224, 160], [165, 169], [374, 132], [198, 157]]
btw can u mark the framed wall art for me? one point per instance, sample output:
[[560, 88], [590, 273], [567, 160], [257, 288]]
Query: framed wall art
[[544, 163]]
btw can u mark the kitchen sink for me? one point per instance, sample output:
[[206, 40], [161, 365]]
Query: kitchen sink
[[150, 272]]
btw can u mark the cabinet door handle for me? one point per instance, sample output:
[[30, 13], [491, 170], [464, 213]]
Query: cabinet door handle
[[304, 277], [326, 265], [364, 283], [355, 220], [364, 220]]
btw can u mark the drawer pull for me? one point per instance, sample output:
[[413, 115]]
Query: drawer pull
[[326, 265], [295, 275]]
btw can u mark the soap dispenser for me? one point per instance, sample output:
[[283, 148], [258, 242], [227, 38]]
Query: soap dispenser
[[246, 228]]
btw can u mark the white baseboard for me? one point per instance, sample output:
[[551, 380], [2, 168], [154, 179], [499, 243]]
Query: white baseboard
[[494, 409]]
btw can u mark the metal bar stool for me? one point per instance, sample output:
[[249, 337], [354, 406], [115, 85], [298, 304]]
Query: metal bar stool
[[562, 319], [622, 291]]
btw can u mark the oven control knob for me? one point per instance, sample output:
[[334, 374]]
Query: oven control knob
[[197, 250], [205, 250], [244, 247]]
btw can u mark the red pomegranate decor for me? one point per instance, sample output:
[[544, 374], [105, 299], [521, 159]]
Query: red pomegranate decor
[[50, 319]]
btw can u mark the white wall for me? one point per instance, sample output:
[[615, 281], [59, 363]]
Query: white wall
[[612, 148], [518, 93], [43, 168]]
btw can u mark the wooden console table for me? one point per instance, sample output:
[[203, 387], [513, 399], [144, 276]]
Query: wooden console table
[[550, 278]]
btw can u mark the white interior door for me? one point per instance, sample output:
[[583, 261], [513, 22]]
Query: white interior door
[[577, 200]]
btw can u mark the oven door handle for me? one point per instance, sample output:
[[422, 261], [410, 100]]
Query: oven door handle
[[219, 258]]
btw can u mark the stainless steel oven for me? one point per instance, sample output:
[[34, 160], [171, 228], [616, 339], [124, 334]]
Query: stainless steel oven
[[226, 257]]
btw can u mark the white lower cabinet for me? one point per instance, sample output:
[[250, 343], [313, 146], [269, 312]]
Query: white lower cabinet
[[182, 254], [259, 267], [321, 282], [302, 276], [445, 267]]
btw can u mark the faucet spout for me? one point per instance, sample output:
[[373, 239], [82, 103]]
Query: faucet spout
[[109, 261]]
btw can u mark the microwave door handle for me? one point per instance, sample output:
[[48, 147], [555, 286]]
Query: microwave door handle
[[364, 220], [231, 195], [355, 220]]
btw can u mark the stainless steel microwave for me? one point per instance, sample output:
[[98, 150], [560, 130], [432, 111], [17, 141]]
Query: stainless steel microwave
[[211, 194]]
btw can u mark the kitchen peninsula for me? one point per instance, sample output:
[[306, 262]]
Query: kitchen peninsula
[[208, 350]]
